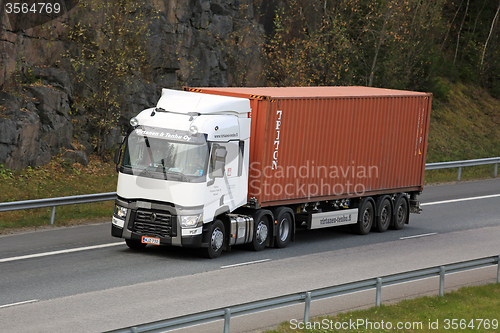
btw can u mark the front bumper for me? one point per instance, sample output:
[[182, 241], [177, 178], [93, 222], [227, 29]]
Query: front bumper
[[154, 220]]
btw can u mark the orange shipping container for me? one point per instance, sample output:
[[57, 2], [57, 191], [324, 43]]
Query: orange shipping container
[[320, 143]]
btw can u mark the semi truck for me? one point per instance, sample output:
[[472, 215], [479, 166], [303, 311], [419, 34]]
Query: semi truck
[[213, 168]]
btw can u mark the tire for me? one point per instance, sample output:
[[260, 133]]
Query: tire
[[261, 232], [366, 217], [384, 217], [285, 227], [217, 237], [400, 212], [135, 244]]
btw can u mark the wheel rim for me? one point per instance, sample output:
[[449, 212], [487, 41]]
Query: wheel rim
[[217, 239], [261, 233], [284, 229], [401, 213], [367, 217], [384, 216]]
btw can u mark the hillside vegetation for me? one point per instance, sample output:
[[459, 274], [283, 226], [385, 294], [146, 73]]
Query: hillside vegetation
[[467, 126]]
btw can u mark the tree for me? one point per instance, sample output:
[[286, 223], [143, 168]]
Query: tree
[[308, 47]]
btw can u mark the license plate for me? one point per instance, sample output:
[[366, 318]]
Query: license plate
[[150, 240]]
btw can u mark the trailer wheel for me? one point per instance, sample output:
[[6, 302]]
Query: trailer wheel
[[216, 240], [365, 217], [285, 227], [260, 234], [400, 212], [135, 244], [384, 215]]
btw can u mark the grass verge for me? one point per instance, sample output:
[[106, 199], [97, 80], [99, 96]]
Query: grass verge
[[57, 179], [464, 127], [469, 309]]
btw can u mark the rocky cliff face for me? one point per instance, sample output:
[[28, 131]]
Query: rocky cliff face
[[35, 125], [193, 43]]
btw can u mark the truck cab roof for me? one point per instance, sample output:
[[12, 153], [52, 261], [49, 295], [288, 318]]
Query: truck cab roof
[[191, 102]]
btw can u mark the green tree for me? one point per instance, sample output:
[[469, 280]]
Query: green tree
[[308, 47]]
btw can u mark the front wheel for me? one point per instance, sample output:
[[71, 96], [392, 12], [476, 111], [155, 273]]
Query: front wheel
[[216, 241]]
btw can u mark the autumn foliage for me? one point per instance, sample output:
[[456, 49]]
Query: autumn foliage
[[408, 44]]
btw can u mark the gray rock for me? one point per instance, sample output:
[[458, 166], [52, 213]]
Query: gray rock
[[76, 156]]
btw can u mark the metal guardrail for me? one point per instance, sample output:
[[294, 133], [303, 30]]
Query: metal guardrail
[[461, 164], [88, 198], [54, 202], [308, 296]]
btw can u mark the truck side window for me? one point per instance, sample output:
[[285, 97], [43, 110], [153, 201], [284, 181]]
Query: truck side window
[[217, 161], [232, 161]]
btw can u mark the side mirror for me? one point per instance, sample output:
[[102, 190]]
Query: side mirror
[[118, 155]]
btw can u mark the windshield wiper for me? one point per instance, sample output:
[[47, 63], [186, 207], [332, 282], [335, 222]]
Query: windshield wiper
[[182, 176]]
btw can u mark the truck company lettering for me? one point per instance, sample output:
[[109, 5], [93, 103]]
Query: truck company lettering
[[172, 136], [277, 140], [334, 220], [230, 135]]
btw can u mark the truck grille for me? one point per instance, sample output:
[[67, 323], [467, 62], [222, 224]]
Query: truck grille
[[153, 224]]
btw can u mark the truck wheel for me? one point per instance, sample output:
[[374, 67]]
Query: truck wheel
[[260, 234], [400, 212], [285, 227], [366, 216], [385, 215], [135, 244], [216, 240]]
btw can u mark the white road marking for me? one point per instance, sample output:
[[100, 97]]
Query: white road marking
[[458, 200], [44, 254], [18, 303], [418, 236], [245, 263]]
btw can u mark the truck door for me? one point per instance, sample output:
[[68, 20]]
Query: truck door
[[223, 177]]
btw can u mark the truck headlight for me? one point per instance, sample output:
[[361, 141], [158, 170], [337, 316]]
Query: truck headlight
[[120, 212], [191, 221]]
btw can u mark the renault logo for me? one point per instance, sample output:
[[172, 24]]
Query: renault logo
[[153, 217]]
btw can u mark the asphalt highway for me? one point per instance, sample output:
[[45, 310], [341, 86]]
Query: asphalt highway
[[82, 279]]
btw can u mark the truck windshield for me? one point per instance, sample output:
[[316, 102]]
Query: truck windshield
[[167, 155]]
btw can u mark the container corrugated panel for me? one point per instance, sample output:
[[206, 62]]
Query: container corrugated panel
[[321, 143]]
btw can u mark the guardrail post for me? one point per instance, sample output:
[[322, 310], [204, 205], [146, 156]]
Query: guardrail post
[[53, 215], [495, 170], [498, 269], [441, 280], [459, 173], [378, 294], [307, 308], [133, 329], [227, 319]]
